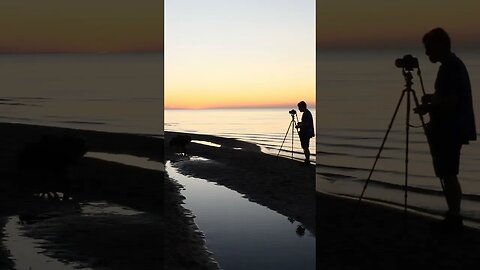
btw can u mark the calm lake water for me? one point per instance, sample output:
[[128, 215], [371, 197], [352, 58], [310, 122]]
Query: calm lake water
[[265, 127], [108, 92], [357, 94]]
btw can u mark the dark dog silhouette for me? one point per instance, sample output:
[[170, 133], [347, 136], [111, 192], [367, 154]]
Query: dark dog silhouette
[[179, 143], [45, 166]]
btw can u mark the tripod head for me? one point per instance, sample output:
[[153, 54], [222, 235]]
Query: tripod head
[[407, 75], [408, 64], [293, 113]]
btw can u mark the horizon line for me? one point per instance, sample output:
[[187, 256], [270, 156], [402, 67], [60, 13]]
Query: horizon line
[[241, 108], [79, 52]]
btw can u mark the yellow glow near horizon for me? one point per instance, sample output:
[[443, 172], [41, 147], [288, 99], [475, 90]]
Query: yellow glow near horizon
[[238, 84], [216, 58]]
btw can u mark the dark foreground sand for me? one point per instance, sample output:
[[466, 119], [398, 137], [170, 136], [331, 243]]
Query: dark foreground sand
[[161, 236], [277, 183], [377, 238]]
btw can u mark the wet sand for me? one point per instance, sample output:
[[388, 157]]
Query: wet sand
[[381, 237], [277, 183], [161, 236]]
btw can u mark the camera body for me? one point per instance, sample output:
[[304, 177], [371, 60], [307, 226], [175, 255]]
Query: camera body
[[292, 112], [408, 62]]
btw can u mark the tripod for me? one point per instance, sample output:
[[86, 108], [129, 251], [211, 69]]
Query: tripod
[[292, 125], [408, 92]]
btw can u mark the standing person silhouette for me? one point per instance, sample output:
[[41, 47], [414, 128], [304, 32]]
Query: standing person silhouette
[[306, 130], [452, 121]]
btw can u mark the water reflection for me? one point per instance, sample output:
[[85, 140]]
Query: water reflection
[[206, 143], [242, 234], [130, 160], [264, 127], [26, 252]]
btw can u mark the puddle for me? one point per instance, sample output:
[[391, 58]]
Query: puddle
[[26, 253], [106, 208], [206, 143], [140, 162], [242, 234]]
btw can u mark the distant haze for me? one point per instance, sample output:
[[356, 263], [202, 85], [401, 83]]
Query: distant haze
[[81, 26], [347, 24]]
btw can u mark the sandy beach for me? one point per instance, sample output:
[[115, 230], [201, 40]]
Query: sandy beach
[[97, 231], [381, 237]]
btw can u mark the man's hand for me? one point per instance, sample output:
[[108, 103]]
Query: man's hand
[[422, 109], [427, 98]]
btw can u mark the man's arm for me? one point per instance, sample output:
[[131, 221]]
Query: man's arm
[[434, 102]]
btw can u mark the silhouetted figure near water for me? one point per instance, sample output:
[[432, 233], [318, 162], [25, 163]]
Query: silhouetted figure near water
[[452, 121], [306, 130], [45, 167], [179, 143]]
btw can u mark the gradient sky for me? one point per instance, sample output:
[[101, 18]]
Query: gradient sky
[[234, 53], [394, 24], [81, 26]]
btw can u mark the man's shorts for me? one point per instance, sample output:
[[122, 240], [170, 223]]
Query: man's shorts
[[304, 141], [446, 157]]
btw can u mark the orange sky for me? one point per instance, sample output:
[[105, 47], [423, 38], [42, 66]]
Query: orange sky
[[81, 26], [394, 24], [245, 53]]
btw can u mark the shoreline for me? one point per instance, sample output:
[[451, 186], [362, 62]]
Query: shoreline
[[278, 183], [101, 241]]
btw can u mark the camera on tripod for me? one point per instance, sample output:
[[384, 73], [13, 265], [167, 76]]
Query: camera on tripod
[[293, 125], [408, 62]]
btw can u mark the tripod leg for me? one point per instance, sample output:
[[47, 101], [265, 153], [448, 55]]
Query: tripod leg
[[293, 130], [286, 134], [407, 130], [381, 147]]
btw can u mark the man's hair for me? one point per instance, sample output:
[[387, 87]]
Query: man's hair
[[437, 37], [302, 103]]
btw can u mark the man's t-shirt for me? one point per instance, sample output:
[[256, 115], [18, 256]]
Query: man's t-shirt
[[456, 122], [307, 125]]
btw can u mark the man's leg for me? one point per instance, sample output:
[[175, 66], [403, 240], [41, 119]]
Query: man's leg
[[306, 151], [305, 142], [453, 194]]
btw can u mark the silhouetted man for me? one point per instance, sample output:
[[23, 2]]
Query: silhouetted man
[[452, 121], [306, 130]]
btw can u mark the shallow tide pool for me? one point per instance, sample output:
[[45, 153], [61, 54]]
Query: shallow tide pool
[[242, 234]]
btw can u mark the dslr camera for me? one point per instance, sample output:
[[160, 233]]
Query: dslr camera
[[292, 112], [408, 62]]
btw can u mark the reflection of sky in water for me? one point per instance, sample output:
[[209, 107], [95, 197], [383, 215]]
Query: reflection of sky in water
[[26, 253], [140, 162], [264, 127], [206, 143], [242, 234]]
